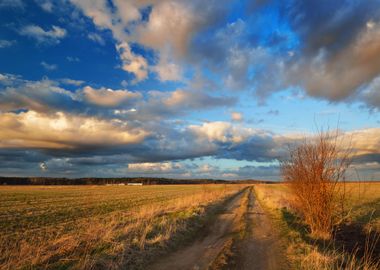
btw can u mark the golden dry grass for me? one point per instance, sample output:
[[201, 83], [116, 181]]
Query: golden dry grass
[[363, 207], [93, 227]]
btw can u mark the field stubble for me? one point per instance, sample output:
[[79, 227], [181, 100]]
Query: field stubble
[[92, 227]]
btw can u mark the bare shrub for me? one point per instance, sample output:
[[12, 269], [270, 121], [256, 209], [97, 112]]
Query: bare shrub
[[314, 171]]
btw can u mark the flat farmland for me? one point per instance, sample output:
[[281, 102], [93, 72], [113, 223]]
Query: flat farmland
[[84, 227]]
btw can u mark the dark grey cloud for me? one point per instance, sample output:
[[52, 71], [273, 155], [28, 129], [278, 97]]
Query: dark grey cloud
[[40, 96], [47, 96], [255, 148], [331, 25], [331, 50], [371, 94], [160, 105], [340, 47], [269, 172], [228, 52]]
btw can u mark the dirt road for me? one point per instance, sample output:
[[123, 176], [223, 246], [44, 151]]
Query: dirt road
[[201, 253], [241, 237], [260, 248]]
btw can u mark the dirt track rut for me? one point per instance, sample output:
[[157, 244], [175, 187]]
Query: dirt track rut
[[260, 248], [203, 252], [257, 250]]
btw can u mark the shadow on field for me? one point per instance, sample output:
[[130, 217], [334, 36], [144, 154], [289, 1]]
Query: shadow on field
[[348, 237], [296, 224], [353, 239]]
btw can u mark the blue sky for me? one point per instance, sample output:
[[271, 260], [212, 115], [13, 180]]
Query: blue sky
[[185, 89]]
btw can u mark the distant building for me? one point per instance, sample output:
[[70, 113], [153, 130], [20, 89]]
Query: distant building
[[135, 184]]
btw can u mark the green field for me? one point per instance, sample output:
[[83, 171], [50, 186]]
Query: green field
[[98, 226]]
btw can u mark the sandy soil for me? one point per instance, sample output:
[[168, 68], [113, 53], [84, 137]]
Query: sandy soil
[[257, 250]]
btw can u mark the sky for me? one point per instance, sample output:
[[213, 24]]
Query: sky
[[184, 89]]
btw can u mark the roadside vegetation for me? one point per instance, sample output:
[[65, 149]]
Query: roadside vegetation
[[101, 227], [329, 224]]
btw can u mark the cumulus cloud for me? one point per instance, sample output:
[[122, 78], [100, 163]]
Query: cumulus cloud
[[195, 99], [168, 71], [43, 166], [320, 49], [371, 94], [339, 50], [48, 66], [96, 38], [48, 95], [339, 75], [71, 81], [52, 36], [222, 132], [171, 23], [46, 5], [167, 30], [153, 167], [98, 11], [236, 116], [117, 21], [128, 11], [157, 148], [64, 131], [174, 40], [41, 96], [133, 63], [6, 43], [230, 54], [108, 97], [72, 59], [8, 79], [364, 141], [169, 104]]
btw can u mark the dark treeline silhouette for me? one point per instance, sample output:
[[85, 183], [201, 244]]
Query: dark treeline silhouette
[[115, 181]]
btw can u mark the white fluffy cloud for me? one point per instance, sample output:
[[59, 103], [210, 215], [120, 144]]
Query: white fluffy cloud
[[222, 132], [117, 22], [6, 43], [64, 131], [52, 36], [364, 141], [96, 38], [168, 31], [127, 10], [108, 97], [46, 5], [133, 63], [171, 24], [168, 71], [154, 167], [41, 96], [236, 116], [48, 66]]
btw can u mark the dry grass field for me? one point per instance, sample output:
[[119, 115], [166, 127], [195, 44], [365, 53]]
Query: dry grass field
[[98, 227], [356, 242]]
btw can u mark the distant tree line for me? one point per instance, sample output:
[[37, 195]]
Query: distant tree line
[[115, 181]]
